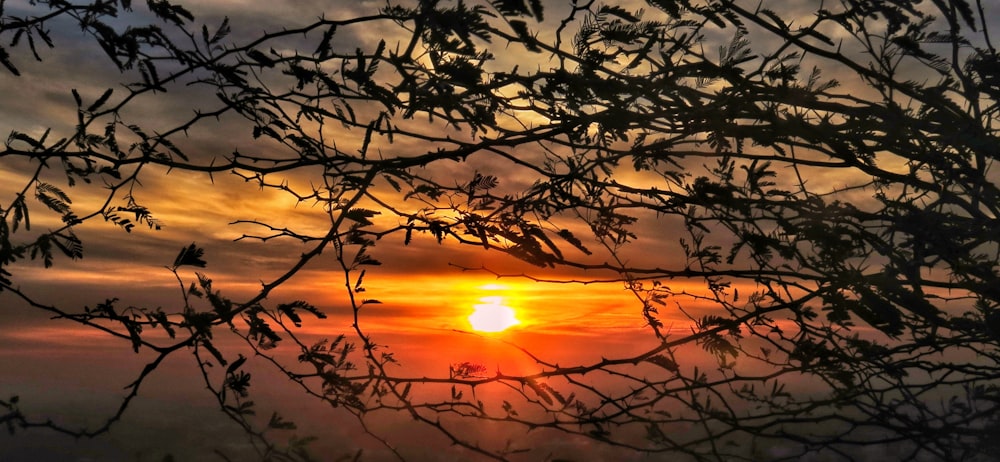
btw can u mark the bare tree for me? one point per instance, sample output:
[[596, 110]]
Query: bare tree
[[828, 172]]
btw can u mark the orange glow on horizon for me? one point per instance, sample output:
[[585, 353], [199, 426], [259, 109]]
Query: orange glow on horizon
[[442, 301], [492, 315]]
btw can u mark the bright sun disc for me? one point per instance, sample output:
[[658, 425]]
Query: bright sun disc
[[492, 315]]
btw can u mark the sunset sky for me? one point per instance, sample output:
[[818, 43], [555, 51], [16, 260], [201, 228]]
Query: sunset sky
[[75, 374], [423, 276], [427, 289]]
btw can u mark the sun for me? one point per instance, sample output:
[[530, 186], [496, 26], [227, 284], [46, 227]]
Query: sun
[[491, 315]]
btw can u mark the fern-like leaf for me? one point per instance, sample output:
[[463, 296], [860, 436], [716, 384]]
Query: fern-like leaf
[[190, 255], [53, 198]]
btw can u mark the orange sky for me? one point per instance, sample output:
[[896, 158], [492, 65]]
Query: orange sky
[[415, 279], [419, 284]]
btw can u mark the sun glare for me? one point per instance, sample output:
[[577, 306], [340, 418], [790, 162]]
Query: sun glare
[[491, 315]]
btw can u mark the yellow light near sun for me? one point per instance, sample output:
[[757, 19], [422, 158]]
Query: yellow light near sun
[[492, 315]]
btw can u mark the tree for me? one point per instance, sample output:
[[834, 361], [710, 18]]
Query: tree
[[829, 172]]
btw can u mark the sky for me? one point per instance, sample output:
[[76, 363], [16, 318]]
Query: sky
[[189, 210], [427, 289], [76, 375]]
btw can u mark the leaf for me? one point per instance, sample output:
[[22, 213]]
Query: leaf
[[260, 57], [21, 213], [5, 60], [719, 346], [43, 248], [555, 394], [53, 198], [222, 32], [193, 290], [173, 148], [323, 49], [879, 313], [774, 17], [536, 9], [288, 309], [45, 188], [483, 182], [18, 136], [392, 182], [100, 101], [669, 6], [361, 215], [521, 29], [261, 331], [134, 330], [540, 235], [619, 12], [236, 364], [379, 49], [539, 390], [509, 409], [663, 362], [214, 351], [190, 255], [510, 7], [362, 258], [159, 317], [361, 278], [431, 192], [172, 13], [70, 245], [278, 423]]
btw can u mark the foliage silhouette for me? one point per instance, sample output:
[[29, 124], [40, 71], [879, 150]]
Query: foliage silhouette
[[844, 228]]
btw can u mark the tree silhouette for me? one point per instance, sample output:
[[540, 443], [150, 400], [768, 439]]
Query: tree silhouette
[[824, 175]]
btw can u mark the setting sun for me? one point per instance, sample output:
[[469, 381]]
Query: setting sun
[[492, 315]]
